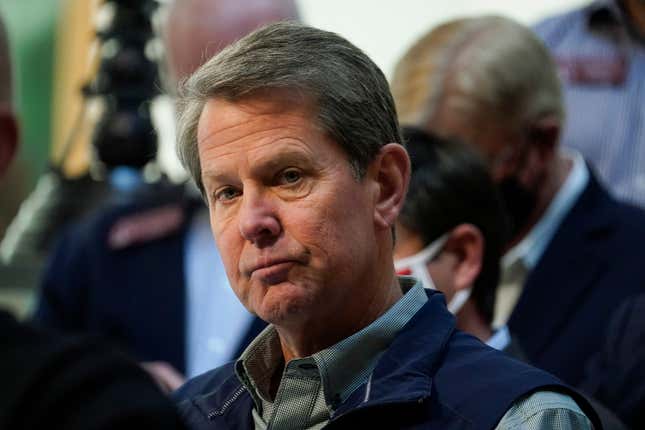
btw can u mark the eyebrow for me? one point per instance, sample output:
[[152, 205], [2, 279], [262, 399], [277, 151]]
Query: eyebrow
[[263, 164], [289, 156]]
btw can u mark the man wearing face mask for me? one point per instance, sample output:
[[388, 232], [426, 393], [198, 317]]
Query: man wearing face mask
[[575, 252], [450, 236], [451, 232]]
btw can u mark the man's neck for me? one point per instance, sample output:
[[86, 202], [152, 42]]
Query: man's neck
[[470, 320], [307, 337]]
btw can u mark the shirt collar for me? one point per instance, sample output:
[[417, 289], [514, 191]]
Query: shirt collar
[[531, 248], [500, 339], [346, 365], [259, 362], [343, 366]]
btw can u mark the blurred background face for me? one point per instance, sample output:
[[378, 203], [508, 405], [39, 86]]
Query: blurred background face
[[499, 143], [197, 29], [516, 165]]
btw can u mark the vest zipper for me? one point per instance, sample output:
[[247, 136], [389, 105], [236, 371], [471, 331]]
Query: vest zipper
[[219, 412]]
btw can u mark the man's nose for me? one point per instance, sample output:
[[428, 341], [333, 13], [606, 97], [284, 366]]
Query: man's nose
[[258, 220]]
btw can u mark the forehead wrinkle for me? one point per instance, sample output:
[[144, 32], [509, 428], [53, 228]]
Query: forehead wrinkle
[[255, 156], [223, 145], [292, 149], [291, 121], [258, 143]]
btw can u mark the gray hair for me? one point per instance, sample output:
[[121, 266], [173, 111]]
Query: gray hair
[[354, 106], [487, 64]]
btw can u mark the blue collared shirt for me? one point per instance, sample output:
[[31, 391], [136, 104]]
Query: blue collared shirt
[[602, 65], [215, 318], [500, 338]]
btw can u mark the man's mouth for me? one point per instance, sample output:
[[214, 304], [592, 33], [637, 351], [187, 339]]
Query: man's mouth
[[272, 272]]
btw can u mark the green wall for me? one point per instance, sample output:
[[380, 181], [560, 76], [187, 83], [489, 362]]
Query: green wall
[[31, 25]]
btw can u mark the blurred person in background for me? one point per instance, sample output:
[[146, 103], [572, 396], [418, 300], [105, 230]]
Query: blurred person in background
[[450, 235], [599, 50], [451, 232], [575, 252], [49, 381], [147, 274]]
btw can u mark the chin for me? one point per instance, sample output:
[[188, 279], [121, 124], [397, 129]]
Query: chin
[[284, 303]]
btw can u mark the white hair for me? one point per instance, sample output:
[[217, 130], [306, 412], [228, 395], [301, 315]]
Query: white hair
[[488, 64]]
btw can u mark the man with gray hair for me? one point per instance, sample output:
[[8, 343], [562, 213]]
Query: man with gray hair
[[292, 137], [575, 251]]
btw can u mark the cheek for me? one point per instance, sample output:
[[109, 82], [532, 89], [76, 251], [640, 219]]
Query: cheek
[[229, 246], [327, 222], [335, 233]]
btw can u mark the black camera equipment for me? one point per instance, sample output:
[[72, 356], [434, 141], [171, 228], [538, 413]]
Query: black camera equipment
[[126, 82]]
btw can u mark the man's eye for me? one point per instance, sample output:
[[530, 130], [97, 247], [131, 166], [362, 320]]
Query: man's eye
[[226, 194], [290, 176]]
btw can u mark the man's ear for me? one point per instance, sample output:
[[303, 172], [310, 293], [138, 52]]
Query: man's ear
[[466, 243], [8, 138], [391, 173]]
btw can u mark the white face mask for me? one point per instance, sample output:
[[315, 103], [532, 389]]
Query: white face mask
[[417, 266]]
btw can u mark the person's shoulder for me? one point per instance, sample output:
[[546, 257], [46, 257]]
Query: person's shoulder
[[630, 215], [599, 207], [628, 224], [496, 380], [545, 409], [154, 216], [489, 370], [74, 381]]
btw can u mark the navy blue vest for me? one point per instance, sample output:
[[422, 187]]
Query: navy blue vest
[[432, 377]]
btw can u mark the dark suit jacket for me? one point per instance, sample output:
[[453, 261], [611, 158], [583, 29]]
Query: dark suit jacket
[[130, 290], [616, 374], [514, 349], [595, 260], [608, 418], [55, 382]]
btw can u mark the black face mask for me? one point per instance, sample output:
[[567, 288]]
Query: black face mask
[[519, 203]]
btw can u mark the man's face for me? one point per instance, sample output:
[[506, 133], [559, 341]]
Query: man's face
[[295, 229], [517, 166], [502, 147]]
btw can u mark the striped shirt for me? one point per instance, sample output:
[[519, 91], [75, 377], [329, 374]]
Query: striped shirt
[[602, 66]]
